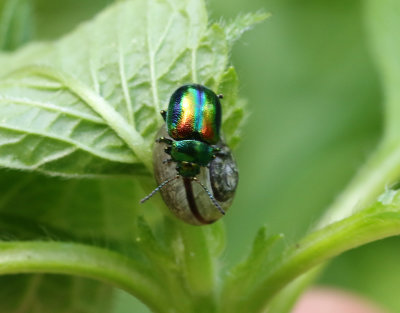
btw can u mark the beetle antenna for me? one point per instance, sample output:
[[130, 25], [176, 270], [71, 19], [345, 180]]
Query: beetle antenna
[[210, 195], [165, 182]]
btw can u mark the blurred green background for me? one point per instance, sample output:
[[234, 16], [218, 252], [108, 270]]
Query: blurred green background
[[315, 108]]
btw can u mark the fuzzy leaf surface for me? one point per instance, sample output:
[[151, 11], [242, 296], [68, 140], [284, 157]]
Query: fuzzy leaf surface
[[88, 103]]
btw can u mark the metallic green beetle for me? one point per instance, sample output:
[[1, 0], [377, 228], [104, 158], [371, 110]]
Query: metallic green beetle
[[193, 122]]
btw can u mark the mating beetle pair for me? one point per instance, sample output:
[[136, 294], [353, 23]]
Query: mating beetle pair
[[195, 170]]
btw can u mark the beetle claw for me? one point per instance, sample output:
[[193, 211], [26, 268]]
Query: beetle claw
[[167, 150], [163, 114], [164, 140]]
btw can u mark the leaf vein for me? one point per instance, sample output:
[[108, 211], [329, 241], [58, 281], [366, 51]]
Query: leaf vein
[[165, 33], [103, 155], [153, 79], [124, 83], [52, 107], [54, 157]]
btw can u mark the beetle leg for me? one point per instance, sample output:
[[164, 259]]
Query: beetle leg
[[221, 96], [164, 140], [219, 152], [167, 150], [163, 114]]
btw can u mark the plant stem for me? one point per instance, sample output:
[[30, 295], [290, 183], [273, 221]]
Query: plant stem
[[199, 267], [86, 261], [381, 170], [368, 225]]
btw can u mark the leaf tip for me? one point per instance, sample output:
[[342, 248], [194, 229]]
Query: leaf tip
[[242, 23]]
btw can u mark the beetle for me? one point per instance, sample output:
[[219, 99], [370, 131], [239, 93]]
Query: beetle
[[190, 147]]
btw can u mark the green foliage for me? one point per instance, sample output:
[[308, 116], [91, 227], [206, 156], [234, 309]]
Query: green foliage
[[15, 24], [41, 293], [243, 22], [88, 109], [83, 110], [87, 105]]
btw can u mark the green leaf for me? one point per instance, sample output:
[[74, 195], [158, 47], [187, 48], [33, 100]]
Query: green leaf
[[244, 275], [242, 23], [92, 211], [88, 104], [234, 116]]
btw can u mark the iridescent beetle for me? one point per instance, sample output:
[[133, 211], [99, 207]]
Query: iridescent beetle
[[196, 154]]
